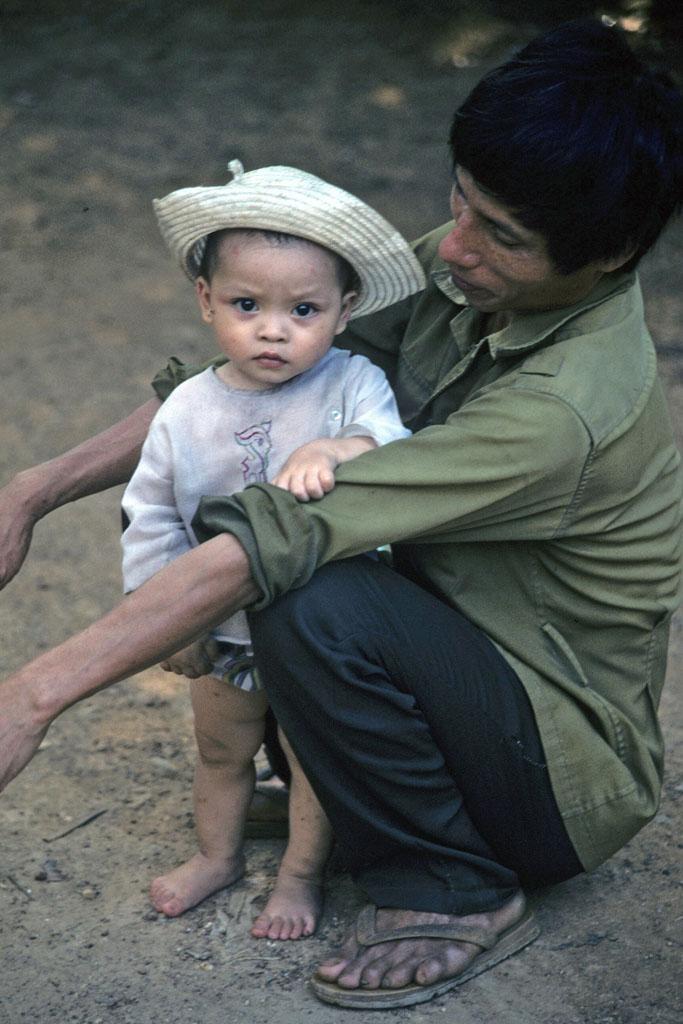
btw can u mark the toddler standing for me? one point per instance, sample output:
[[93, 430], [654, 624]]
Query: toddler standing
[[281, 260]]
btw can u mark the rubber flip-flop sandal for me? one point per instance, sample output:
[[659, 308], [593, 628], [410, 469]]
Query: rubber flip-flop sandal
[[496, 946]]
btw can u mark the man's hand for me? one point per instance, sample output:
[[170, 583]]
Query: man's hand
[[309, 471], [107, 459], [17, 520], [20, 733], [195, 660]]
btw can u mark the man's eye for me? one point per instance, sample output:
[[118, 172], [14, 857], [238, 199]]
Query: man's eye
[[458, 200], [246, 305], [509, 243], [304, 309]]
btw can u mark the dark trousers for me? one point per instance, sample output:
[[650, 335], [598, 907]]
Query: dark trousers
[[417, 737]]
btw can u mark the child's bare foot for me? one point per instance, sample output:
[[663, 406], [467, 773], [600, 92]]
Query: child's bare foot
[[292, 910], [192, 882]]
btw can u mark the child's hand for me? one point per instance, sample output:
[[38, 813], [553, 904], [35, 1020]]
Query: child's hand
[[195, 660], [309, 471]]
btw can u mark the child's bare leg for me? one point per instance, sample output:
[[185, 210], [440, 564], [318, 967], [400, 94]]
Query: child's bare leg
[[294, 906], [229, 731]]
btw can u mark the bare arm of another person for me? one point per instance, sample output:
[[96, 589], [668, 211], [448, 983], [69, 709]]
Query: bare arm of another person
[[107, 459], [207, 584]]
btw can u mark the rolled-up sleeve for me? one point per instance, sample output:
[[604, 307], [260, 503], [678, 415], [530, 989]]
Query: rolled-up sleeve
[[505, 467]]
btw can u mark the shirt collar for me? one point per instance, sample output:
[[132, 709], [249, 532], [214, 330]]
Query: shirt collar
[[528, 330]]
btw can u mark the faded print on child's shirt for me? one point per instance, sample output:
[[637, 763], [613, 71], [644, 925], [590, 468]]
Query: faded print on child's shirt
[[256, 440]]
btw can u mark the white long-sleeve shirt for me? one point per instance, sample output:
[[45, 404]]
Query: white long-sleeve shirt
[[210, 438]]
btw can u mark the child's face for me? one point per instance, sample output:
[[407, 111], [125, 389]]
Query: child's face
[[275, 307]]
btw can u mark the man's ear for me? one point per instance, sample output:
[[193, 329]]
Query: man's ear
[[347, 303], [607, 266], [203, 293]]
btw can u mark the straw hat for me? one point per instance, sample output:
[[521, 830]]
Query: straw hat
[[291, 201]]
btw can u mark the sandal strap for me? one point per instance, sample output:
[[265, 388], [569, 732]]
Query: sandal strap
[[368, 935]]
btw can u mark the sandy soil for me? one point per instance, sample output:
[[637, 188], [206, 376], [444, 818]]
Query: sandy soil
[[103, 106]]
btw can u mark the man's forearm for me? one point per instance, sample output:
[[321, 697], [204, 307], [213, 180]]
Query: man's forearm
[[101, 462], [189, 596], [178, 604]]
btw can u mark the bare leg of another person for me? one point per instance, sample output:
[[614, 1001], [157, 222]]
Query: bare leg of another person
[[229, 725], [294, 906]]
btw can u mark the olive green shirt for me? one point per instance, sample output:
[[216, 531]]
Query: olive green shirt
[[540, 496]]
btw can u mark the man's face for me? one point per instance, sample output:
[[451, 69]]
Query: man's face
[[498, 264]]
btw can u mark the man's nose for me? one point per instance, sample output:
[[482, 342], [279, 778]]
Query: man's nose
[[459, 246]]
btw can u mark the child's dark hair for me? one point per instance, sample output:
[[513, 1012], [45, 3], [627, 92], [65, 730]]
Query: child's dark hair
[[347, 276], [581, 141]]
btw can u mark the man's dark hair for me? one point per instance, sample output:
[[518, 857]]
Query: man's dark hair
[[348, 278], [581, 141]]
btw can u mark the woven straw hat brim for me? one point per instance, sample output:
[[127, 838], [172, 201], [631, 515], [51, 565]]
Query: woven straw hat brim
[[290, 201]]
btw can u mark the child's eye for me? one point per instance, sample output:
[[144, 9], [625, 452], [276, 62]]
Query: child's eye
[[304, 309], [245, 305]]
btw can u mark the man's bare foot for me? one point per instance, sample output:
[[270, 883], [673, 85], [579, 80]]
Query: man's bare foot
[[192, 882], [395, 964], [292, 911]]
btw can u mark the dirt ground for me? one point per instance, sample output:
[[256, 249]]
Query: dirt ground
[[104, 105]]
